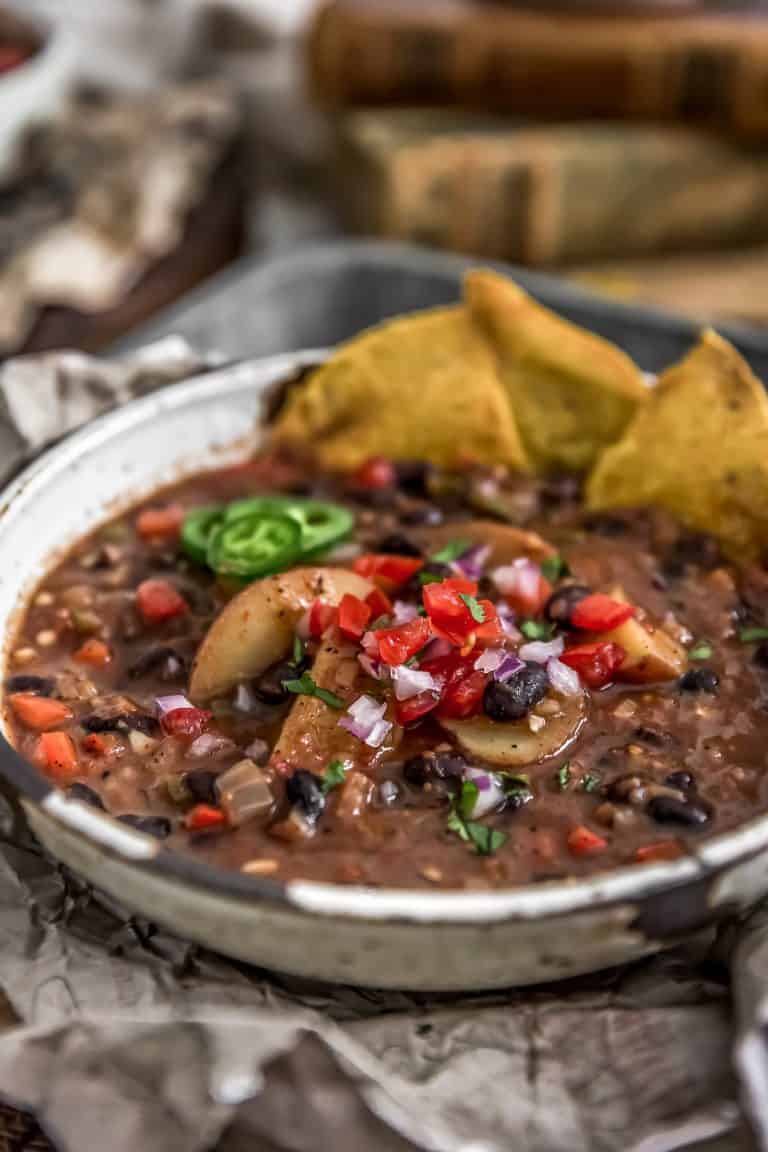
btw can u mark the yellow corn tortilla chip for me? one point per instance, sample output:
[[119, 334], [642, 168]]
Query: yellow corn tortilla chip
[[572, 392], [421, 386], [699, 448]]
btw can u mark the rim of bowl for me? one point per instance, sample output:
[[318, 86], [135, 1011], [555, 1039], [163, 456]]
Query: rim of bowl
[[619, 885]]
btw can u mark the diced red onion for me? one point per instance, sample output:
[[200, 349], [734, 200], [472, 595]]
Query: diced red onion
[[539, 651], [472, 562], [410, 682], [166, 704], [563, 679], [365, 720], [436, 649], [370, 645], [490, 660], [302, 626], [371, 667], [507, 617], [490, 792], [521, 578], [403, 613], [510, 665], [209, 744]]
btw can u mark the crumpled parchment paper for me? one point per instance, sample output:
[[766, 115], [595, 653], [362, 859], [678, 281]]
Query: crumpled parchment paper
[[129, 1038]]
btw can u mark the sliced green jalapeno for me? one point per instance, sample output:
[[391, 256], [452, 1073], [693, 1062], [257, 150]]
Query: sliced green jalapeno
[[197, 529], [253, 546]]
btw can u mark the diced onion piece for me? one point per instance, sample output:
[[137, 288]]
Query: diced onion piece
[[490, 659], [210, 744], [563, 679], [472, 562], [403, 613], [166, 704], [410, 682], [244, 792], [244, 700], [520, 578], [373, 668], [490, 792], [540, 651], [370, 645], [365, 720], [510, 665], [507, 617], [436, 649]]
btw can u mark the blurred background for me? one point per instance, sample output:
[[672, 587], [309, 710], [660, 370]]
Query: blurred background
[[146, 144]]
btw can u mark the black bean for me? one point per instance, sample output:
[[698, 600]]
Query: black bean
[[160, 659], [38, 685], [304, 792], [559, 608], [78, 791], [433, 766], [269, 687], [201, 785], [669, 810], [121, 722], [413, 476], [157, 826], [651, 736], [760, 655], [699, 680], [397, 544], [514, 699], [516, 798], [682, 780]]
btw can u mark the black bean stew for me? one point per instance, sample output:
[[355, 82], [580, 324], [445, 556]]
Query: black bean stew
[[455, 680]]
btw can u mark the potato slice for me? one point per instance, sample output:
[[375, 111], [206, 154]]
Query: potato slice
[[256, 629], [507, 543], [651, 654], [311, 737], [699, 448], [424, 386], [514, 744], [572, 392]]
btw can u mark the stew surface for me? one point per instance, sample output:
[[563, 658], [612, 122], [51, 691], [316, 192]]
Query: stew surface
[[514, 691]]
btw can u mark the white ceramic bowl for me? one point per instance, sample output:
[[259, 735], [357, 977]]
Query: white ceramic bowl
[[377, 937]]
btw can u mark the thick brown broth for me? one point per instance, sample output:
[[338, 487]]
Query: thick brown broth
[[649, 760]]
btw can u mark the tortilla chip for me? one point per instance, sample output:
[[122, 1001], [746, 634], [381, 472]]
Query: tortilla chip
[[699, 448], [572, 392], [421, 386]]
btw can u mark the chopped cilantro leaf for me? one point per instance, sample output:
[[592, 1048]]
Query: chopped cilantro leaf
[[298, 650], [452, 550], [563, 776], [476, 610], [305, 686], [701, 651], [429, 578], [589, 782], [554, 568], [334, 775], [456, 824], [536, 629], [379, 622], [468, 799], [486, 840], [750, 635]]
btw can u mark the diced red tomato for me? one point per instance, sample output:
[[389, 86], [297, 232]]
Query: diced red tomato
[[94, 652], [583, 841], [160, 523], [408, 711], [387, 572], [463, 696], [158, 600], [530, 603], [189, 722], [38, 712], [490, 632], [595, 663], [95, 744], [379, 603], [354, 614], [663, 850], [600, 613], [449, 614], [204, 816], [58, 754], [396, 645], [376, 472], [322, 616]]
